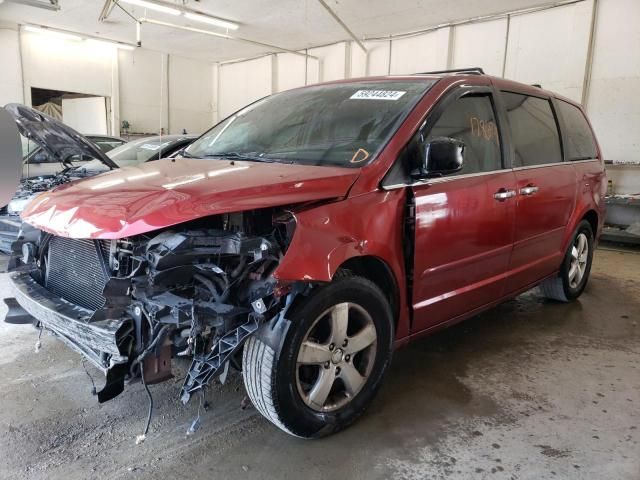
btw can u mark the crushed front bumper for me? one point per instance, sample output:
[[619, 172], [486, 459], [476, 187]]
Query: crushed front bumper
[[106, 343]]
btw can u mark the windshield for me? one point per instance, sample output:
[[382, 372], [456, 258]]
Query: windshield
[[138, 151], [340, 125]]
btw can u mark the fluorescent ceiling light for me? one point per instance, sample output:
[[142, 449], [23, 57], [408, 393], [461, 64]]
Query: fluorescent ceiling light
[[107, 43], [152, 6], [52, 33], [211, 20]]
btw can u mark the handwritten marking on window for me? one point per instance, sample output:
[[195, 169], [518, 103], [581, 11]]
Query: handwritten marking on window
[[485, 129], [360, 156]]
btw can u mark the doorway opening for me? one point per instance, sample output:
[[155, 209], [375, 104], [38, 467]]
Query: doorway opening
[[88, 114]]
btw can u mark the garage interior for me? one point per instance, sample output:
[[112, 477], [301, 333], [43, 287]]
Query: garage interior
[[531, 389]]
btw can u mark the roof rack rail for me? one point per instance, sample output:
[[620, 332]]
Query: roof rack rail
[[471, 70]]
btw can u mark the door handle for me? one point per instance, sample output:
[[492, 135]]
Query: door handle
[[503, 194], [528, 190]]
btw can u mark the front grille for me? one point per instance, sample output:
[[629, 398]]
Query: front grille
[[77, 270]]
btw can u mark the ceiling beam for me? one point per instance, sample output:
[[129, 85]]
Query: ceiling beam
[[343, 25]]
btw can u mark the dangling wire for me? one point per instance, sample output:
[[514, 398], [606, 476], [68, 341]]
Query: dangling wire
[[142, 438], [38, 343]]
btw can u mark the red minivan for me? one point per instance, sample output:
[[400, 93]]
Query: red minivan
[[304, 237]]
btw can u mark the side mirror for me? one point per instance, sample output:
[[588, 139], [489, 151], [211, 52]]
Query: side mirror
[[442, 156], [40, 157]]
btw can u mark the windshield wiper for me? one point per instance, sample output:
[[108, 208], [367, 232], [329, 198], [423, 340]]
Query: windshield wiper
[[250, 156]]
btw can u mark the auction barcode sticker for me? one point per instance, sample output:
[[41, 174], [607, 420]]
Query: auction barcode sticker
[[377, 95]]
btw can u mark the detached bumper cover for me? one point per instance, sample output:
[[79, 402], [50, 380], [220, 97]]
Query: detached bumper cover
[[102, 342]]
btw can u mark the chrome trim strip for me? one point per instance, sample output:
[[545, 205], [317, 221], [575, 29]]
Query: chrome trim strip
[[555, 164], [430, 181]]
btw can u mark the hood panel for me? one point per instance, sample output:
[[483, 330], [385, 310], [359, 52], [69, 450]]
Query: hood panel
[[154, 195], [57, 139]]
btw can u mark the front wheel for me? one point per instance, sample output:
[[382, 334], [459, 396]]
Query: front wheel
[[330, 364], [574, 272]]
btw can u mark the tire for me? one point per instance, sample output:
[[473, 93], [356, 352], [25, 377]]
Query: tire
[[276, 380], [565, 287]]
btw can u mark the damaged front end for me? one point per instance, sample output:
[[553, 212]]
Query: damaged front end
[[131, 305]]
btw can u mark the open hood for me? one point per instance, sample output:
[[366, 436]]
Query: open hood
[[150, 196], [57, 139]]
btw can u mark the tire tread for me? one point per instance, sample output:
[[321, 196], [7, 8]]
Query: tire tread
[[258, 361]]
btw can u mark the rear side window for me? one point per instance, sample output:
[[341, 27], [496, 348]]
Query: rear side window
[[471, 119], [580, 142], [534, 131]]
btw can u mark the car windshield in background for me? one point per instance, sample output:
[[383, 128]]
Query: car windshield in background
[[344, 124], [28, 146], [107, 144], [139, 151]]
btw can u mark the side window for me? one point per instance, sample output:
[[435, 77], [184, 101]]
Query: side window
[[581, 145], [471, 119], [534, 131]]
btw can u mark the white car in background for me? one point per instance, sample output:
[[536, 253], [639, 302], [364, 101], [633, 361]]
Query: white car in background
[[71, 156]]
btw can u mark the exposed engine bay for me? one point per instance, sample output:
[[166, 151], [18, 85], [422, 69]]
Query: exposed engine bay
[[131, 305], [30, 187]]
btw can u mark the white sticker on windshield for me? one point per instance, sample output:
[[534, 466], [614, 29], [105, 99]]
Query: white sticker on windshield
[[377, 95], [150, 146]]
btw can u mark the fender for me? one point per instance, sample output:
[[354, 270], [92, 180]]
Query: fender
[[328, 235]]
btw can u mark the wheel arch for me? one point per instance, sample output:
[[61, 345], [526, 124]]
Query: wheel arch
[[379, 272], [591, 216]]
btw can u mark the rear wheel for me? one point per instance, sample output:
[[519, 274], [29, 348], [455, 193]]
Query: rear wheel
[[331, 361], [574, 272]]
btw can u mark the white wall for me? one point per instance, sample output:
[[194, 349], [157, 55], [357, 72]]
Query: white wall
[[550, 48], [143, 80], [86, 115], [148, 89], [480, 45], [613, 99], [242, 83], [71, 66], [290, 71], [190, 95], [10, 69], [372, 63], [420, 53], [333, 63]]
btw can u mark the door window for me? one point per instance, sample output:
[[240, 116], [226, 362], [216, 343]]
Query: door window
[[534, 131], [581, 145], [471, 119]]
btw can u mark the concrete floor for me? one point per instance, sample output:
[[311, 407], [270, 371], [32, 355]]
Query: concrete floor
[[529, 390]]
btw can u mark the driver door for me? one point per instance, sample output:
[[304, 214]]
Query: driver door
[[464, 222]]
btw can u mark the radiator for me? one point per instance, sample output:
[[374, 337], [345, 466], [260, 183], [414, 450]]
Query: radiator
[[77, 270]]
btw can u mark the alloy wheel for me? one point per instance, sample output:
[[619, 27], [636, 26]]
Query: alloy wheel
[[579, 258], [336, 357]]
